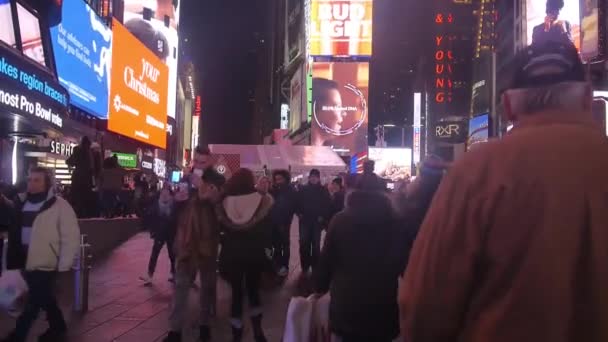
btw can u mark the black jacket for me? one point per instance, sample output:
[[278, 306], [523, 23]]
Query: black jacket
[[360, 265], [161, 227], [314, 202], [337, 203], [284, 206]]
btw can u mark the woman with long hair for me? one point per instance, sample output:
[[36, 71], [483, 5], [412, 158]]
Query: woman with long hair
[[245, 220]]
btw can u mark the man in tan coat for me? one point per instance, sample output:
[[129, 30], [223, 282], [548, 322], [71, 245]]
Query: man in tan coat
[[515, 245]]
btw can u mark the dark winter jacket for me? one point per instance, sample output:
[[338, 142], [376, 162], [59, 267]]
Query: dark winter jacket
[[337, 203], [360, 265], [162, 226], [314, 202], [247, 226], [285, 201]]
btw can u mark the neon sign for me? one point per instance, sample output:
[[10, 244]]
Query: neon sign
[[444, 61]]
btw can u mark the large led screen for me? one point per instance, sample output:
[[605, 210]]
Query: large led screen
[[478, 130], [7, 33], [82, 45], [339, 106], [159, 34], [392, 163], [138, 93], [537, 19], [590, 29], [31, 37], [341, 28]]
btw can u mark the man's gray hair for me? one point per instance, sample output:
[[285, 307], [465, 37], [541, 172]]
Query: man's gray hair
[[565, 96]]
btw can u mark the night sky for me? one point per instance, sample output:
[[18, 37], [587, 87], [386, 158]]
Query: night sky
[[222, 45]]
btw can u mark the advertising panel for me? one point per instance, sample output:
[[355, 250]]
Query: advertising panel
[[392, 163], [31, 38], [159, 34], [82, 45], [567, 20], [138, 92], [590, 20], [226, 164], [417, 127], [295, 100], [126, 160], [295, 17], [26, 90], [339, 102], [7, 32], [478, 130], [341, 27]]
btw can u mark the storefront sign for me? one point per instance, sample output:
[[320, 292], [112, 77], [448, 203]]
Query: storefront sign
[[29, 91], [452, 132], [62, 149], [127, 160], [160, 167]]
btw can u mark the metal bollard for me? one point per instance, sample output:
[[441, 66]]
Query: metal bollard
[[81, 276]]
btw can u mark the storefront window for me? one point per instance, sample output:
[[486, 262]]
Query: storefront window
[[7, 33], [29, 27]]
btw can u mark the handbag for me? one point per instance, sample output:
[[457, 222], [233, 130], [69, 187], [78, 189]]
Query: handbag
[[307, 320], [12, 285]]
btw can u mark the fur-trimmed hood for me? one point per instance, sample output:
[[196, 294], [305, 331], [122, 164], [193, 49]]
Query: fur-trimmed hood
[[245, 211]]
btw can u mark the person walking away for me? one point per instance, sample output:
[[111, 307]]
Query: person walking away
[[162, 222], [43, 240], [282, 213], [111, 181], [245, 219], [82, 178], [360, 265], [514, 245], [313, 209], [196, 247], [337, 196]]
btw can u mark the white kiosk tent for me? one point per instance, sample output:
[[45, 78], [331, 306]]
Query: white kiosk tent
[[298, 159]]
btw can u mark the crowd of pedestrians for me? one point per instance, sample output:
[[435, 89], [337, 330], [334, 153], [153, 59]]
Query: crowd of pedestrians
[[506, 244]]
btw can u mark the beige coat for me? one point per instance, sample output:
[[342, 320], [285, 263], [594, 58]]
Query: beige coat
[[515, 244]]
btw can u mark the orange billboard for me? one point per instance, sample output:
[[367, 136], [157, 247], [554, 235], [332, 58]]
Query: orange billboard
[[138, 90], [341, 28]]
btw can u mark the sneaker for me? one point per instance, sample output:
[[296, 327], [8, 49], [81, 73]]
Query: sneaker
[[283, 272], [146, 279]]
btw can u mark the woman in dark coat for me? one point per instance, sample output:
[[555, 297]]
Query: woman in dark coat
[[82, 178], [245, 220]]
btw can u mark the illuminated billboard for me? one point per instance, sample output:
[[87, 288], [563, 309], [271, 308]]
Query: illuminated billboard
[[82, 45], [392, 163], [478, 130], [540, 22], [339, 106], [340, 28], [138, 93], [159, 34]]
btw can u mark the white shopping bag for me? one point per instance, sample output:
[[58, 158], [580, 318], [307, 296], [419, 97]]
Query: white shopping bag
[[307, 320], [12, 288], [299, 319]]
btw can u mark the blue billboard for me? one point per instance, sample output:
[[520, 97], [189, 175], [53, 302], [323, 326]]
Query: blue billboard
[[82, 45], [478, 129]]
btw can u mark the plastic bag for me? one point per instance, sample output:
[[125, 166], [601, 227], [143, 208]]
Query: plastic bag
[[307, 320], [12, 288]]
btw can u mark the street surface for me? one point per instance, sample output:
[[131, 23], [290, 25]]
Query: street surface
[[121, 308]]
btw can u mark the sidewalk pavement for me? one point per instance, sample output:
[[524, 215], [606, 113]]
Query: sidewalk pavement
[[121, 308]]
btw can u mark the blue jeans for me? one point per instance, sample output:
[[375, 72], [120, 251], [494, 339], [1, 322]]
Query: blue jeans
[[310, 244]]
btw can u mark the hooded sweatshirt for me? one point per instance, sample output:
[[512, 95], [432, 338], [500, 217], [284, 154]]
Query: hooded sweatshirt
[[360, 265], [246, 223]]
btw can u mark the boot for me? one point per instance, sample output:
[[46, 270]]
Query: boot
[[258, 333], [205, 333], [173, 337], [237, 334]]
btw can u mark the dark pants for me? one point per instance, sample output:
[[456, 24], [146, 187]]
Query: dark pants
[[310, 244], [252, 284], [41, 296], [156, 248], [281, 245], [109, 200]]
